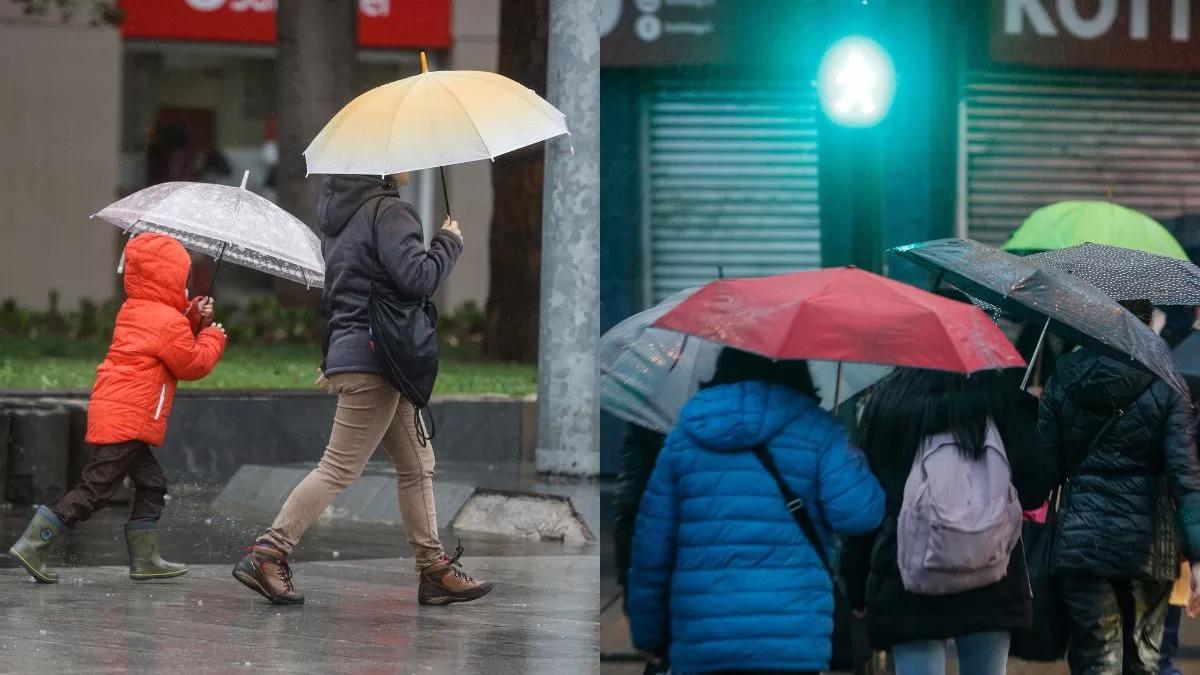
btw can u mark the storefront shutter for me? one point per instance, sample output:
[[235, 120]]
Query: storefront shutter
[[1037, 139], [730, 182]]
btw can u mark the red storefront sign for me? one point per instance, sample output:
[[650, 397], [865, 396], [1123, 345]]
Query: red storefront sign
[[1108, 34], [381, 23]]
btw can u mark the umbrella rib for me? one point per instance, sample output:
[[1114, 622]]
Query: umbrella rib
[[391, 127], [496, 85], [462, 105]]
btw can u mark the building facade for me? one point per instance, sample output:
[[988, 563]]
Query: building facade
[[717, 158], [82, 104]]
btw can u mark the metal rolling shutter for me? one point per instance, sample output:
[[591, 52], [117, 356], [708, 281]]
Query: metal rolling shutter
[[1035, 140], [731, 182]]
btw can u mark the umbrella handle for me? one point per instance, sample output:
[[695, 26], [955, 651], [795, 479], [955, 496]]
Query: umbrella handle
[[445, 191], [837, 389], [1037, 352], [216, 270]]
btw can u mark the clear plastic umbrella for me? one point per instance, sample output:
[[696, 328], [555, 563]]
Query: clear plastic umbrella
[[647, 374], [228, 223]]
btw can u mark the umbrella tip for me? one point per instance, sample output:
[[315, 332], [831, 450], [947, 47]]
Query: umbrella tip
[[424, 63], [245, 177]]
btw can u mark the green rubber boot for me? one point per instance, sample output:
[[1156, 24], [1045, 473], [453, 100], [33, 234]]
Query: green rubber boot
[[44, 530], [144, 561]]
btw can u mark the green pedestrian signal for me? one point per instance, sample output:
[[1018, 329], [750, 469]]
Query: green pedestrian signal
[[856, 82]]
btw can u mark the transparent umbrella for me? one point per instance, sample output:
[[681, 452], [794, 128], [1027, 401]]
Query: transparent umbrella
[[228, 223]]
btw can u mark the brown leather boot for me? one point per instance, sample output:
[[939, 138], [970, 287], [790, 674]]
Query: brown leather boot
[[265, 571], [444, 582]]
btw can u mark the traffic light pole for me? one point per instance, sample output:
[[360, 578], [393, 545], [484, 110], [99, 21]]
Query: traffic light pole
[[851, 196]]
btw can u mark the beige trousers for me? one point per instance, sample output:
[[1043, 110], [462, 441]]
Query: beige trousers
[[369, 411]]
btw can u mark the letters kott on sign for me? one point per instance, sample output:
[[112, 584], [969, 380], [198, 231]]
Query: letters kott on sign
[[1097, 34]]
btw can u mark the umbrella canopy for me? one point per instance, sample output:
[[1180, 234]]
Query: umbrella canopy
[[227, 223], [844, 314], [431, 120], [647, 374], [1070, 223], [1076, 310], [1127, 274]]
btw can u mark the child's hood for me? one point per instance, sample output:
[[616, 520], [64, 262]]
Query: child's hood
[[735, 417], [156, 270]]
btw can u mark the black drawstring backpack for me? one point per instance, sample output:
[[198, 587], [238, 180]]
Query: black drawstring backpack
[[403, 336]]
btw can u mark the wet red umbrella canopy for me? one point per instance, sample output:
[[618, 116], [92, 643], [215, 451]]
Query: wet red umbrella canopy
[[844, 314]]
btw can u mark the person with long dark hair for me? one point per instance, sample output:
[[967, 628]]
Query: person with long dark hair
[[978, 415], [722, 576]]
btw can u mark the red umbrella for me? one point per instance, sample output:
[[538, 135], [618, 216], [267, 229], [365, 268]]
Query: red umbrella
[[844, 314]]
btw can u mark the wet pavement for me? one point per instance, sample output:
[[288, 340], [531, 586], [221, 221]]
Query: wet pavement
[[193, 532], [361, 617]]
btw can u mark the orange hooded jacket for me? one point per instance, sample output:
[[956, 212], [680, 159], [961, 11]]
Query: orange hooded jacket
[[153, 347]]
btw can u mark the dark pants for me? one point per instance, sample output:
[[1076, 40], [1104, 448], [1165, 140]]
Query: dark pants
[[1116, 625], [1170, 643], [109, 466]]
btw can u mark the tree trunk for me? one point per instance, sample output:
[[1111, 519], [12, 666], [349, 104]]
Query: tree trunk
[[515, 245], [315, 71]]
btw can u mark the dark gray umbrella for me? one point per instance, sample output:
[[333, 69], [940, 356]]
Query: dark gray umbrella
[[1128, 274], [1068, 306]]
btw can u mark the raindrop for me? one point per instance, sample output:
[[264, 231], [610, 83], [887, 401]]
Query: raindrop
[[208, 521], [337, 554], [199, 602], [42, 631], [248, 664]]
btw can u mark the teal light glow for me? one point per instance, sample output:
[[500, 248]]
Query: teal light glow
[[856, 82]]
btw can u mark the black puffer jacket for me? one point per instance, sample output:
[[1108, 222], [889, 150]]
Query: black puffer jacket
[[639, 454], [1116, 519], [349, 208]]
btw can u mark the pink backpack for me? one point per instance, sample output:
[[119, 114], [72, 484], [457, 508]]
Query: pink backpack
[[960, 519]]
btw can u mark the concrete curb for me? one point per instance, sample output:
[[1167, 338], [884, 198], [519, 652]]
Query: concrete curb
[[213, 433], [540, 511]]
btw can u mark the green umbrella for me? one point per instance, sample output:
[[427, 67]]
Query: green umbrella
[[1072, 223]]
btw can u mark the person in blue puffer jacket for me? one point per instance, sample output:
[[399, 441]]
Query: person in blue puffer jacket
[[721, 575]]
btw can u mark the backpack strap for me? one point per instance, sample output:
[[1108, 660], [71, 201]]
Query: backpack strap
[[423, 435], [796, 507]]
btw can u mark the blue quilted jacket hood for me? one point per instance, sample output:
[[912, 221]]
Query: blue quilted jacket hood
[[721, 574], [732, 418]]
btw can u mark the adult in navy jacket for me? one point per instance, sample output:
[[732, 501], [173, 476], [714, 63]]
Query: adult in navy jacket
[[721, 575]]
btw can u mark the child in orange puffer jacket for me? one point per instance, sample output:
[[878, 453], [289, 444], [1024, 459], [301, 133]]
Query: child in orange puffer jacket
[[159, 339]]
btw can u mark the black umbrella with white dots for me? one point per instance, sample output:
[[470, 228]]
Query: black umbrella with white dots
[[1128, 274]]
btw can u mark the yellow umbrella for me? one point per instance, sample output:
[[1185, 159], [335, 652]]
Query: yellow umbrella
[[432, 120]]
